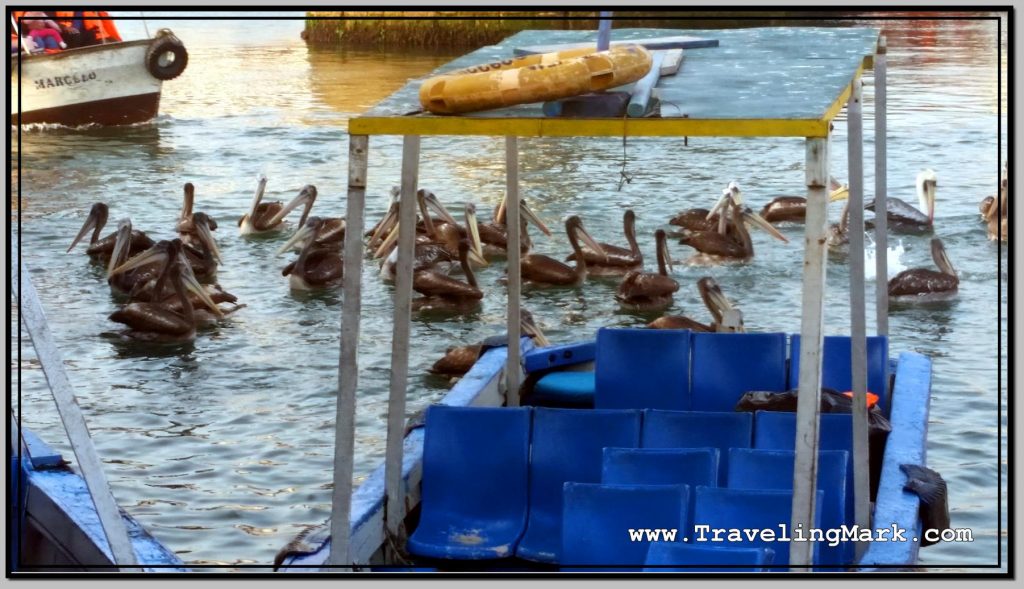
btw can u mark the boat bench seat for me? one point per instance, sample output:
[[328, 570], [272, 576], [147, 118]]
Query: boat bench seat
[[727, 365], [698, 429], [564, 389]]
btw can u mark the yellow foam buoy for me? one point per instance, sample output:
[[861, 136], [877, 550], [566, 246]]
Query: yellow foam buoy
[[534, 78]]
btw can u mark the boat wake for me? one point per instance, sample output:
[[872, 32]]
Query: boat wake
[[894, 257]]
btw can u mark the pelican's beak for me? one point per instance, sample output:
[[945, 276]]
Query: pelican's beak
[[942, 258], [532, 217], [736, 193], [307, 196], [121, 244], [758, 220], [720, 203], [663, 245], [388, 242], [186, 207], [714, 295], [499, 215], [591, 242], [385, 224], [153, 254], [474, 231], [94, 221], [476, 259], [531, 329], [929, 191], [204, 235], [435, 204], [261, 187], [298, 237], [190, 282], [839, 192]]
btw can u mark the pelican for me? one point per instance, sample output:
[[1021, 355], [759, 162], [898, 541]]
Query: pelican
[[429, 254], [441, 290], [101, 249], [995, 213], [457, 361], [185, 225], [267, 216], [316, 267], [156, 322], [644, 291], [703, 219], [734, 241], [125, 282], [794, 208], [204, 255], [545, 271], [618, 260], [494, 235], [716, 303], [904, 218], [378, 231], [922, 281]]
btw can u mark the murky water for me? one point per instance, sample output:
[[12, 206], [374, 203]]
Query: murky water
[[223, 448]]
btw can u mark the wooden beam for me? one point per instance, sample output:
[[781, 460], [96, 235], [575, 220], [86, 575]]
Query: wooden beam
[[512, 223], [881, 196]]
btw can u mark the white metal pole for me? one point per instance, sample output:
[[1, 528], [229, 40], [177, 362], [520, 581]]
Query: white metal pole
[[145, 26], [858, 330], [394, 508], [805, 473], [31, 312], [512, 224], [881, 195], [348, 361]]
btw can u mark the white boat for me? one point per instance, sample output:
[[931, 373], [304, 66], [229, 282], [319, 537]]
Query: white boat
[[109, 84]]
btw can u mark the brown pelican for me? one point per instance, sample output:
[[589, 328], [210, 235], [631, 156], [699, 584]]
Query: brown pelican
[[156, 322], [995, 213], [204, 255], [378, 231], [101, 249], [440, 247], [442, 291], [703, 219], [904, 218], [457, 361], [546, 271], [494, 235], [922, 281], [732, 242], [125, 282], [317, 266], [185, 226], [267, 216], [644, 291], [716, 303], [794, 208], [619, 260]]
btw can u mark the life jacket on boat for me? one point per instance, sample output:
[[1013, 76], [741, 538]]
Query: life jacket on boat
[[103, 28]]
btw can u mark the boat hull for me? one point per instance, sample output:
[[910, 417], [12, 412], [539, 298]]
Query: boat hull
[[103, 84]]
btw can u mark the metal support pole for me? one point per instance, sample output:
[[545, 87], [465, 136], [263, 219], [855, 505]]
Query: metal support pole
[[881, 195], [512, 223], [30, 310], [348, 361], [858, 330], [394, 491], [805, 474], [604, 31]]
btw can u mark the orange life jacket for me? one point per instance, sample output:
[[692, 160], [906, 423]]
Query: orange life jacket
[[104, 27]]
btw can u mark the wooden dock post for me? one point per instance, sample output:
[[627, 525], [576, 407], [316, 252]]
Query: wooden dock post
[[858, 330], [348, 361], [512, 223], [881, 195], [394, 490], [805, 473]]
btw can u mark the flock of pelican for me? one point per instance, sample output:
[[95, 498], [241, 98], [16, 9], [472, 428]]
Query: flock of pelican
[[169, 286]]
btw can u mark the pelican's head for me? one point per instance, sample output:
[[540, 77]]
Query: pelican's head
[[734, 192], [574, 229], [96, 220], [941, 258], [305, 235], [530, 328], [926, 182]]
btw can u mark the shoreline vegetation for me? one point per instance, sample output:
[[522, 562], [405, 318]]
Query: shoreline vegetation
[[467, 30]]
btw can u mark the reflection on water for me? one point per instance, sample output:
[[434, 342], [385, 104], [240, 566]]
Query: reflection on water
[[223, 447]]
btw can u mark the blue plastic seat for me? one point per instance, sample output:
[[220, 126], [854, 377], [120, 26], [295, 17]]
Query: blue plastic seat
[[474, 489], [726, 365], [698, 429], [665, 557], [567, 447], [661, 466], [773, 469], [598, 519], [746, 509], [575, 389], [836, 365], [642, 369]]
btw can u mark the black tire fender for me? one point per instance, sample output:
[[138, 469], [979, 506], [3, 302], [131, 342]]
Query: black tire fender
[[166, 57]]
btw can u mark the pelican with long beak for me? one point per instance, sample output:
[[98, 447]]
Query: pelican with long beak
[[794, 208], [204, 255], [716, 303], [494, 235], [732, 241], [644, 291], [903, 217], [700, 219], [185, 225], [378, 231], [125, 282], [157, 322], [995, 212], [617, 260], [316, 267], [442, 291], [458, 361], [918, 282], [101, 249], [264, 217], [541, 270]]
